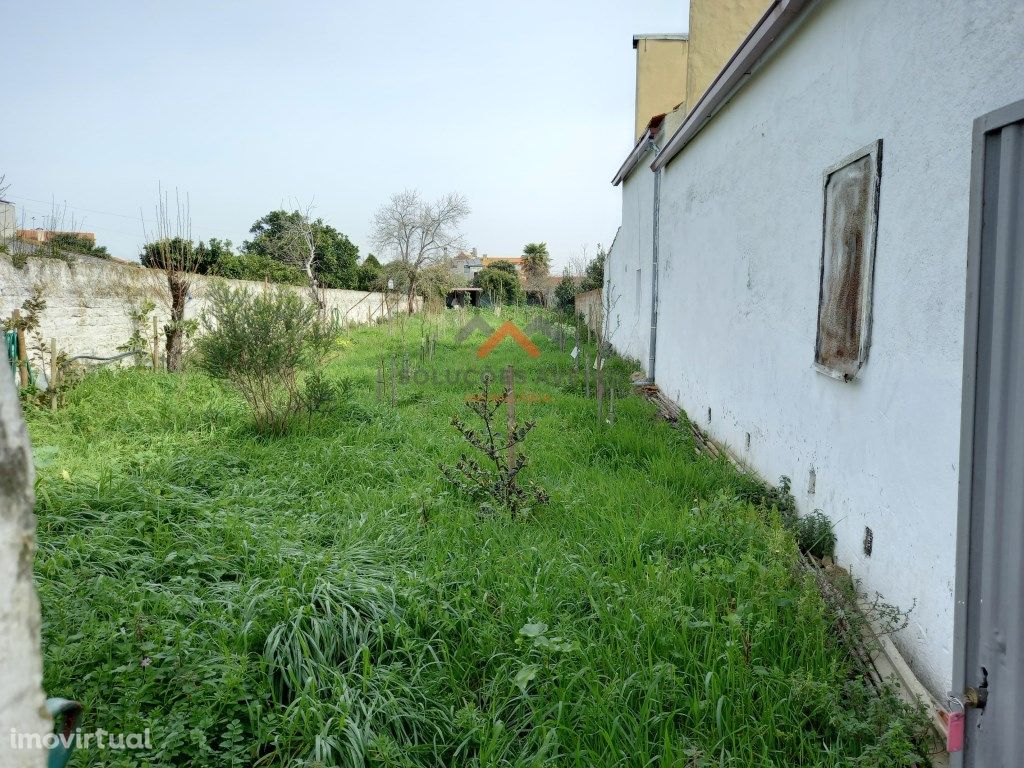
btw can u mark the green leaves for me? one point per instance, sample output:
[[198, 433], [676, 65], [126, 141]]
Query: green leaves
[[525, 676], [533, 630]]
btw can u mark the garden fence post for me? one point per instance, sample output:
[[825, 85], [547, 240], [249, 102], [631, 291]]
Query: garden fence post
[[586, 374], [510, 412], [156, 345], [53, 374], [394, 381], [22, 354], [380, 382]]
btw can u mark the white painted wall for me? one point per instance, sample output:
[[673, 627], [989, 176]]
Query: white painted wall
[[741, 241], [630, 321], [21, 663]]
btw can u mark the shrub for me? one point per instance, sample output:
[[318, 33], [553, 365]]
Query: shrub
[[498, 487], [262, 344]]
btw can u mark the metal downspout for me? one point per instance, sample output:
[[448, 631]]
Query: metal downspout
[[654, 267]]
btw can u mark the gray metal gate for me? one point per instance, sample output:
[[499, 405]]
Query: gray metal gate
[[989, 630]]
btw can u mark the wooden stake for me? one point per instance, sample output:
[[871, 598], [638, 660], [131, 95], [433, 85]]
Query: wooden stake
[[394, 383], [156, 345], [380, 382], [586, 374], [611, 407], [510, 412], [53, 374], [22, 352]]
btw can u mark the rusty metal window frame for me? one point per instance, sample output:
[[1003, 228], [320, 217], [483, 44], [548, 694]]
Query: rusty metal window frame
[[874, 152]]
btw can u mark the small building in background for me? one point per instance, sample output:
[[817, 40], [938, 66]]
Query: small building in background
[[8, 225], [46, 235]]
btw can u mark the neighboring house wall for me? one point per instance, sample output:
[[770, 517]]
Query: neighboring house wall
[[628, 267], [89, 304], [717, 27], [741, 243], [660, 76]]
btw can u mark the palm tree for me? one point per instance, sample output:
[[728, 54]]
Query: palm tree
[[536, 260]]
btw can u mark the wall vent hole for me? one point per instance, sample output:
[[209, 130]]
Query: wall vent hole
[[869, 541], [812, 481], [748, 441], [709, 414]]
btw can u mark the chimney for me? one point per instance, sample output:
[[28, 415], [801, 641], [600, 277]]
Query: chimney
[[661, 71], [717, 27]]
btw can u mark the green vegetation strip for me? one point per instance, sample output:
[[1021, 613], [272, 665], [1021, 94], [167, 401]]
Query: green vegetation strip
[[324, 598]]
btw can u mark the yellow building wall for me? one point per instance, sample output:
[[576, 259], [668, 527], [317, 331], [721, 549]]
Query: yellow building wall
[[661, 67], [717, 27]]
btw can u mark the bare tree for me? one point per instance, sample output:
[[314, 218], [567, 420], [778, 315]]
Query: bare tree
[[169, 250], [418, 233], [295, 244]]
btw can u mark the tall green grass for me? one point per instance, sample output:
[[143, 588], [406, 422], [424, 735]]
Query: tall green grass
[[323, 598]]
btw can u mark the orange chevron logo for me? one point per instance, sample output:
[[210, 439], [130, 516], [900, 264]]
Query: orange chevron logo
[[508, 328]]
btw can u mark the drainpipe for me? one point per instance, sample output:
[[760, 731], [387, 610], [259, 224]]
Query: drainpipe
[[654, 264]]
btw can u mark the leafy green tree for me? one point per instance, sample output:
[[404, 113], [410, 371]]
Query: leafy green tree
[[173, 250], [210, 255], [369, 274], [500, 283], [593, 275], [336, 263], [251, 266], [565, 293], [502, 266]]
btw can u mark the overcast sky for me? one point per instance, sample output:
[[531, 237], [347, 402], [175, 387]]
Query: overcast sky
[[526, 108]]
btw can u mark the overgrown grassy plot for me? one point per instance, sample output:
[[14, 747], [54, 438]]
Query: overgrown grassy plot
[[323, 597]]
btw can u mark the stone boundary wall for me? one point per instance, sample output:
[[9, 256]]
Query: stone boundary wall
[[588, 304], [90, 302]]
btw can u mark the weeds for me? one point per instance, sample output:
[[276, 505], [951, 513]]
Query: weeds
[[294, 610]]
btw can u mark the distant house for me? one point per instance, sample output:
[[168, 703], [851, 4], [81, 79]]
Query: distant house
[[466, 265], [45, 235]]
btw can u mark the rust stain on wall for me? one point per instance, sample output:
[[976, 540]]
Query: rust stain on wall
[[850, 218]]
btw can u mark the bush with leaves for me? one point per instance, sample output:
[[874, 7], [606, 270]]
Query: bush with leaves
[[264, 344], [498, 487]]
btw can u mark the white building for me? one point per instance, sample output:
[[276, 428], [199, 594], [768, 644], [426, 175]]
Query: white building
[[810, 219], [8, 222]]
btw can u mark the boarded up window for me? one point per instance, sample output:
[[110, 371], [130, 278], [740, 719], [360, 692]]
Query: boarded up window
[[847, 263]]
